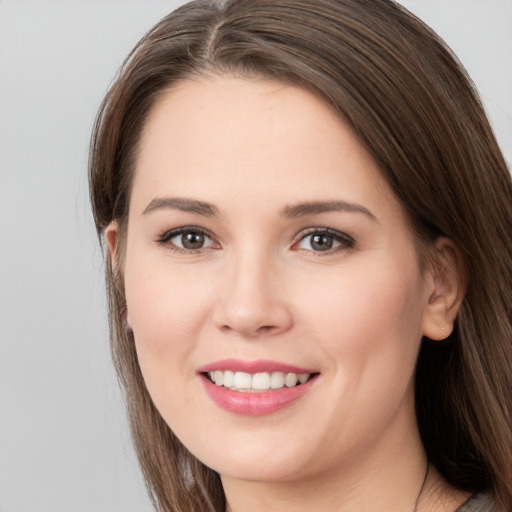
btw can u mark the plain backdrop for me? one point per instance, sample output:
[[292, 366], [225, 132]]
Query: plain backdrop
[[64, 445]]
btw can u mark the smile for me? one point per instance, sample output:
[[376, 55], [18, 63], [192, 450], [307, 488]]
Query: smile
[[257, 382], [255, 388]]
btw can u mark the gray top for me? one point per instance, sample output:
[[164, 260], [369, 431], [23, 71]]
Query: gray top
[[479, 503]]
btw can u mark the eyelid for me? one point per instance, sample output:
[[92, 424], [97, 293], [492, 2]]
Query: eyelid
[[165, 238], [345, 241]]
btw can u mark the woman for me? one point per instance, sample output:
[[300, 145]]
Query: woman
[[309, 262]]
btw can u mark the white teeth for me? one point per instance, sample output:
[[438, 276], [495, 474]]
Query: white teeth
[[290, 380], [263, 381], [277, 380], [243, 380], [303, 377], [219, 378], [229, 379]]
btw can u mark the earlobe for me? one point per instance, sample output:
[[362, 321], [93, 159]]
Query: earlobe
[[446, 282]]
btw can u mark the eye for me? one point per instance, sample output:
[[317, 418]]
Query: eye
[[187, 239], [324, 240]]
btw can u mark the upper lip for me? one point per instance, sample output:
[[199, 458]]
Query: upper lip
[[257, 366]]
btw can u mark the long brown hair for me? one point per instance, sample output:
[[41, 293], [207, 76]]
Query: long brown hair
[[412, 105]]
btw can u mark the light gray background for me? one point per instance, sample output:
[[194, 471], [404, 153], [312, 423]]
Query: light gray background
[[64, 444]]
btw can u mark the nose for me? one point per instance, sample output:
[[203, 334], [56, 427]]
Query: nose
[[252, 301]]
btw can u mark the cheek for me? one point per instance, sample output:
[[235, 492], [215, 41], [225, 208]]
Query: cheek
[[367, 323], [161, 298], [370, 316], [165, 311], [165, 316]]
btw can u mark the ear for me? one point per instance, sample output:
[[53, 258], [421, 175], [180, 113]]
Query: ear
[[446, 287], [112, 238]]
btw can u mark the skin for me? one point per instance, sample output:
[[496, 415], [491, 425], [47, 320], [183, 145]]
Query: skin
[[258, 289]]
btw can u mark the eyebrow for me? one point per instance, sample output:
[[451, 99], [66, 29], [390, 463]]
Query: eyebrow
[[290, 212], [317, 207], [183, 204]]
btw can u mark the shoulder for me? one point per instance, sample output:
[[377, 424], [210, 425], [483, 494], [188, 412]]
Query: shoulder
[[481, 502]]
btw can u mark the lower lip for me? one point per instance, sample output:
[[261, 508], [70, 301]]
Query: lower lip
[[255, 404]]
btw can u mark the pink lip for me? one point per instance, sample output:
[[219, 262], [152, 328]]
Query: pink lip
[[258, 366], [255, 404]]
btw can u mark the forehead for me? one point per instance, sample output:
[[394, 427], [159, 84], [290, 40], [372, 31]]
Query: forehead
[[219, 136]]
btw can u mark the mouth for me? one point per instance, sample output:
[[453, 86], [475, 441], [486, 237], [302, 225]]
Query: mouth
[[260, 382], [255, 388]]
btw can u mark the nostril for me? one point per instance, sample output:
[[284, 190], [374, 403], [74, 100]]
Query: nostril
[[266, 328], [249, 315]]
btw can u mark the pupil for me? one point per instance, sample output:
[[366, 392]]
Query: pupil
[[321, 242], [192, 240]]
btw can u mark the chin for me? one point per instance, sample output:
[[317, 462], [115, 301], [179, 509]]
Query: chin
[[257, 457]]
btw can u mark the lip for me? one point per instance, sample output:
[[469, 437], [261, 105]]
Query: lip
[[254, 404], [257, 366]]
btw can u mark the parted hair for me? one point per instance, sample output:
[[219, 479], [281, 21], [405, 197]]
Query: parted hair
[[411, 104]]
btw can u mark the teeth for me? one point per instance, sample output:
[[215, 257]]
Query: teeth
[[290, 380], [264, 381], [277, 380], [261, 381], [229, 379], [303, 377], [242, 380], [219, 378]]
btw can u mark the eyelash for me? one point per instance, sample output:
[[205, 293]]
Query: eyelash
[[165, 239], [345, 241]]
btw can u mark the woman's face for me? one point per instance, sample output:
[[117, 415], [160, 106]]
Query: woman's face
[[264, 245]]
